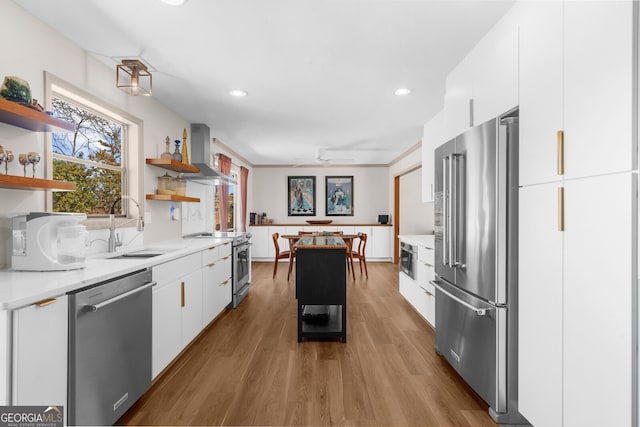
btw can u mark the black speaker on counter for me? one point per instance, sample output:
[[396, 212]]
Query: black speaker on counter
[[383, 219]]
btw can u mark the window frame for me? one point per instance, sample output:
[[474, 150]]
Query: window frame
[[131, 153]]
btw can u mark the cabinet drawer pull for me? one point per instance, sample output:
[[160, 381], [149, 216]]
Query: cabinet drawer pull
[[182, 302], [45, 302], [211, 265], [212, 248], [227, 257], [560, 137], [226, 282], [560, 208]]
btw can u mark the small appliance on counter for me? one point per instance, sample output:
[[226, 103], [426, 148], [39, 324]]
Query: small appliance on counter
[[47, 241]]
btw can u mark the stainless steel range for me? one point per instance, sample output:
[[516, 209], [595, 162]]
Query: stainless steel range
[[241, 262]]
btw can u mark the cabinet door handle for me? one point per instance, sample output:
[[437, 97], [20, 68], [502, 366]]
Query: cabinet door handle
[[182, 301], [560, 143], [45, 302], [560, 208], [471, 112]]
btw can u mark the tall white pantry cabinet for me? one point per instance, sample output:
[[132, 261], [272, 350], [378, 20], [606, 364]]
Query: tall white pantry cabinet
[[578, 213]]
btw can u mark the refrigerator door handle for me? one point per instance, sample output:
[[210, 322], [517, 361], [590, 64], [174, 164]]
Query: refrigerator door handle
[[453, 180], [450, 213], [478, 311], [445, 211]]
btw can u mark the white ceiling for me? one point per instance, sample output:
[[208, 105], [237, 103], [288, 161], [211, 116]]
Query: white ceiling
[[320, 74]]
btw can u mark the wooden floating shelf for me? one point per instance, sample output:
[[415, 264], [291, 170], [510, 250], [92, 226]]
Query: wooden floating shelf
[[27, 118], [172, 198], [173, 165], [23, 183]]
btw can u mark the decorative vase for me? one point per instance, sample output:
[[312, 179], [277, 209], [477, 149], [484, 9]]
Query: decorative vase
[[167, 151], [185, 155], [176, 154]]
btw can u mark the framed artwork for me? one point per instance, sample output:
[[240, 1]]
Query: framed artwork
[[339, 194], [302, 195]]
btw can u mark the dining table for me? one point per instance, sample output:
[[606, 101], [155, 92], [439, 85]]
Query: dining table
[[348, 240]]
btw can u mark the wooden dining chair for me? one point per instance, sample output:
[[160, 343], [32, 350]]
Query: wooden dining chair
[[281, 255], [359, 254]]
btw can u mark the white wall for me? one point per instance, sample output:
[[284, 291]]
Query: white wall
[[30, 48], [370, 192]]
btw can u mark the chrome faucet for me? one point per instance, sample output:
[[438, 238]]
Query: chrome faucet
[[114, 240]]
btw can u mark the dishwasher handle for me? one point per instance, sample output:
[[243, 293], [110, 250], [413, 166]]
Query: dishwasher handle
[[96, 307]]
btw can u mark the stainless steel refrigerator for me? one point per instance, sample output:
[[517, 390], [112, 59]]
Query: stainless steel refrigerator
[[476, 231]]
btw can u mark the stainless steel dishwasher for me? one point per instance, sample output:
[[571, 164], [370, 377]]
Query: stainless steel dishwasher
[[109, 348]]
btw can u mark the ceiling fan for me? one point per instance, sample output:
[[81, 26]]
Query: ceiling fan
[[322, 159]]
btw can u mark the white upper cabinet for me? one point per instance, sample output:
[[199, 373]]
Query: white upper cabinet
[[495, 75], [457, 99], [576, 76], [540, 90], [433, 138], [485, 83], [598, 87]]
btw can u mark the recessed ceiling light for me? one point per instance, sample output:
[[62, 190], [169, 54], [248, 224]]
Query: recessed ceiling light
[[402, 91], [238, 93], [173, 2]]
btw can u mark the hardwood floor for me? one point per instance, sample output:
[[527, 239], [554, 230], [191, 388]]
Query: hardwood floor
[[248, 368]]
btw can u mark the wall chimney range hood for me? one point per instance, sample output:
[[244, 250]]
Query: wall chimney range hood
[[202, 158]]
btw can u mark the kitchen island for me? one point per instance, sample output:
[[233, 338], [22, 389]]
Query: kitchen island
[[321, 291]]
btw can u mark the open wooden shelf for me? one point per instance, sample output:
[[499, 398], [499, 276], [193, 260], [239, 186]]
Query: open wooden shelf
[[27, 118], [172, 198], [173, 165], [23, 183]]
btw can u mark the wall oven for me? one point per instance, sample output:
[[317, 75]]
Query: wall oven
[[241, 268], [408, 259]]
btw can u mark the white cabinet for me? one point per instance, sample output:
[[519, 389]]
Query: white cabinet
[[173, 323], [540, 306], [433, 137], [5, 357], [191, 303], [485, 83], [540, 90], [167, 325], [260, 242], [599, 283], [576, 75], [419, 292], [216, 281], [379, 243], [576, 286], [458, 97], [598, 87], [39, 356]]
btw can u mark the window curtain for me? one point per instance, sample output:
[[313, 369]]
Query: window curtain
[[244, 175], [224, 166]]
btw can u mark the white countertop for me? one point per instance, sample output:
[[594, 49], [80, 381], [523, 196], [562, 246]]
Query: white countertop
[[22, 288], [425, 240]]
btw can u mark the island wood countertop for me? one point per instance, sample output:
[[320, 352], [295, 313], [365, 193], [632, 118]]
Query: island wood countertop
[[320, 242]]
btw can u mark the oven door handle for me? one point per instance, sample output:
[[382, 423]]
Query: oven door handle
[[95, 307]]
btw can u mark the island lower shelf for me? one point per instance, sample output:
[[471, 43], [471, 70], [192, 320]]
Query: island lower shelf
[[322, 326]]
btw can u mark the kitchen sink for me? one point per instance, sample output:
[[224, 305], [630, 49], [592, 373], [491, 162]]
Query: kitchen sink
[[136, 255]]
